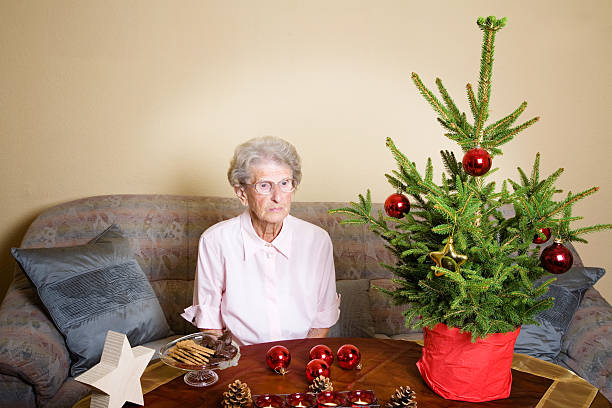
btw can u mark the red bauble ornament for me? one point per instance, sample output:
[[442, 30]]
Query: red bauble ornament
[[321, 351], [556, 258], [396, 205], [316, 368], [278, 359], [477, 162], [538, 240], [349, 357]]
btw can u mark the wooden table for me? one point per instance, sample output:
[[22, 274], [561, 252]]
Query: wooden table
[[387, 365]]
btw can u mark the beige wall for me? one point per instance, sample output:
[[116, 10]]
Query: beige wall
[[101, 97]]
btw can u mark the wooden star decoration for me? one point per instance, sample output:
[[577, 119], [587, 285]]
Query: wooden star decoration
[[448, 258], [116, 378]]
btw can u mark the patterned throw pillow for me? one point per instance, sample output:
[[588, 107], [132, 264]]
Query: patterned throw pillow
[[544, 341], [90, 289]]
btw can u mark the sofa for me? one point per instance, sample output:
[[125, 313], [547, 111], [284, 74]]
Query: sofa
[[163, 232]]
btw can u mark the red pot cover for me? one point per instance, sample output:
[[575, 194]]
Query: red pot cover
[[457, 369]]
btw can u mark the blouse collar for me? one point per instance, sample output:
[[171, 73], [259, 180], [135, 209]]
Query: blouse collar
[[253, 242]]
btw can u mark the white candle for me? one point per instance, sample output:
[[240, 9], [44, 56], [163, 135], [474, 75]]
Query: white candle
[[360, 402]]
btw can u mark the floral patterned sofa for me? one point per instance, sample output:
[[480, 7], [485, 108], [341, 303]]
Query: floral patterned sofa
[[163, 232]]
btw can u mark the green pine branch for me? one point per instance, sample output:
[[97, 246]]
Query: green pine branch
[[493, 291]]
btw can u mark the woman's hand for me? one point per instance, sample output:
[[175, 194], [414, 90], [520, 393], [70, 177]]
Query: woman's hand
[[214, 332], [317, 333]]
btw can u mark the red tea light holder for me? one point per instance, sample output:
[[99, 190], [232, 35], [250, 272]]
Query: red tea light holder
[[331, 399], [325, 399], [301, 400], [269, 401], [361, 398]]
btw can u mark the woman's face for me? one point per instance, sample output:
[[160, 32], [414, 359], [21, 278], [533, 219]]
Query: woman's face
[[267, 208]]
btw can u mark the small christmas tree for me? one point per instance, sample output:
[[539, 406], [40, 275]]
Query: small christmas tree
[[459, 260]]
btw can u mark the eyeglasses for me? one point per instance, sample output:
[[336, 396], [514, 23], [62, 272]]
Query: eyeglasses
[[265, 187]]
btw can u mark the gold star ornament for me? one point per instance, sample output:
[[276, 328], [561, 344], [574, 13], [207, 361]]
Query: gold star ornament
[[116, 378], [448, 258]]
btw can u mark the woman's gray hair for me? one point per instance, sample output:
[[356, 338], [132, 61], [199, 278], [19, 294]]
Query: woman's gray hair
[[259, 150]]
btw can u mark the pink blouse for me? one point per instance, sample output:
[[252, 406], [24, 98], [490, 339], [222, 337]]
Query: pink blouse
[[264, 291]]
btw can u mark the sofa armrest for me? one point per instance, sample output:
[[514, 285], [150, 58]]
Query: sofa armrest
[[587, 346], [31, 348], [16, 393]]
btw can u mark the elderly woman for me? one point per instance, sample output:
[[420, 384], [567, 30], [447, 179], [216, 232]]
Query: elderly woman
[[265, 275]]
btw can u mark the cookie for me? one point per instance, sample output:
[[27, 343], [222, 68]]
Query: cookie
[[186, 357], [190, 353], [194, 347]]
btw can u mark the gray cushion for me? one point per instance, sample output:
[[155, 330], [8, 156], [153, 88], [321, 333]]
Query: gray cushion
[[90, 289], [544, 341], [355, 316], [388, 317]]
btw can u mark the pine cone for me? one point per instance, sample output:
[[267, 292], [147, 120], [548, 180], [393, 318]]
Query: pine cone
[[321, 384], [403, 397], [237, 396]]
